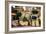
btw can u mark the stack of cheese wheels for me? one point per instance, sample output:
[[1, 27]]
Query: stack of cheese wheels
[[23, 23], [37, 22], [33, 22], [30, 24]]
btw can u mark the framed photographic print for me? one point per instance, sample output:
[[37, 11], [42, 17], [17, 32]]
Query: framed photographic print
[[25, 16]]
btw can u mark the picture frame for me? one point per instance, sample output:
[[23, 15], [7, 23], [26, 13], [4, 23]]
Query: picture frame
[[8, 17]]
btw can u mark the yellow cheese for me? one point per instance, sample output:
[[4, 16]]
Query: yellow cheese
[[33, 22], [24, 23], [37, 22]]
